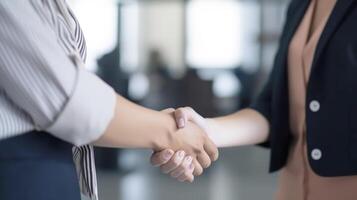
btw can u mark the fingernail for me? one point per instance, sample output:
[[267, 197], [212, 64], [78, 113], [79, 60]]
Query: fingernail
[[189, 159], [167, 154], [191, 166], [181, 154], [181, 123]]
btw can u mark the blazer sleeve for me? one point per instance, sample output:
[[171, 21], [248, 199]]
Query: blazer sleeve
[[262, 104]]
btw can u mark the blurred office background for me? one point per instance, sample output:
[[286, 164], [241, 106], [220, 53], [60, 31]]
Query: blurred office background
[[212, 55]]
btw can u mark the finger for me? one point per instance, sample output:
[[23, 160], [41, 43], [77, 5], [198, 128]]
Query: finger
[[173, 163], [185, 166], [211, 149], [204, 160], [168, 110], [187, 175], [181, 117], [193, 116], [162, 157], [198, 170]]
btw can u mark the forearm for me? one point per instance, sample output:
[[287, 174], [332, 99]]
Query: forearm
[[246, 127], [134, 126]]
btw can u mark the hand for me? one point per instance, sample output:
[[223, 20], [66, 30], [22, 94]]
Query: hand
[[194, 142], [175, 163], [178, 165]]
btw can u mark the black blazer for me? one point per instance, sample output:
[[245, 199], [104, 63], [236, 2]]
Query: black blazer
[[331, 102]]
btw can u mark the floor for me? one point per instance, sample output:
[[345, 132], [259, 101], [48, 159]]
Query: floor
[[240, 174]]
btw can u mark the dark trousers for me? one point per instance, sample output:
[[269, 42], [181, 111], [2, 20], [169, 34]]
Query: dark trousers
[[37, 166]]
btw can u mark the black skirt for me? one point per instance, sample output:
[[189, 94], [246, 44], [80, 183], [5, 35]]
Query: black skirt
[[37, 166]]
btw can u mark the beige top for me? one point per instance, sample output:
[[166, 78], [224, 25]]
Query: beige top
[[297, 180]]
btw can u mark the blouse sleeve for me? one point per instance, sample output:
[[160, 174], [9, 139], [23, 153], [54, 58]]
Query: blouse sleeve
[[48, 85]]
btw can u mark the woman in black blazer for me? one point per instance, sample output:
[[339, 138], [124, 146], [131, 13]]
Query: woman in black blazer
[[327, 162]]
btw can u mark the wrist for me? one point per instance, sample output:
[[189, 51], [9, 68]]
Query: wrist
[[165, 138], [210, 127]]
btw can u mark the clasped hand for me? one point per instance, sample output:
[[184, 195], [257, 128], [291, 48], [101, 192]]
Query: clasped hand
[[195, 151]]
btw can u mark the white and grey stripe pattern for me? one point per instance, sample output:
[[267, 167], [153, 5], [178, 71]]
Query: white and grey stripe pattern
[[84, 156], [42, 88]]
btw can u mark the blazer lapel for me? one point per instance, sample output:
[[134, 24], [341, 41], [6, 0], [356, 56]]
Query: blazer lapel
[[337, 15], [295, 21], [291, 26]]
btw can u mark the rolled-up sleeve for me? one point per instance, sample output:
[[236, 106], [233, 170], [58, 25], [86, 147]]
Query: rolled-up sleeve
[[42, 80]]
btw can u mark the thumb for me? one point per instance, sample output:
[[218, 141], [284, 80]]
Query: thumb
[[181, 117]]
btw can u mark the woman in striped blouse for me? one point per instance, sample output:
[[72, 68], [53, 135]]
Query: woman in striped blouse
[[48, 103]]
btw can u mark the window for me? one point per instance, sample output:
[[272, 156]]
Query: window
[[222, 34], [129, 36]]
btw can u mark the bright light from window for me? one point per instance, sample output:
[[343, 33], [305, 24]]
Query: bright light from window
[[138, 86], [213, 33], [129, 33], [226, 84], [98, 19], [222, 33]]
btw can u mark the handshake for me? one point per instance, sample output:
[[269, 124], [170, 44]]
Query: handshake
[[191, 150], [184, 142]]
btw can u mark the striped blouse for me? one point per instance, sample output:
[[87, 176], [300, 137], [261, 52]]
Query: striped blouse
[[42, 83]]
